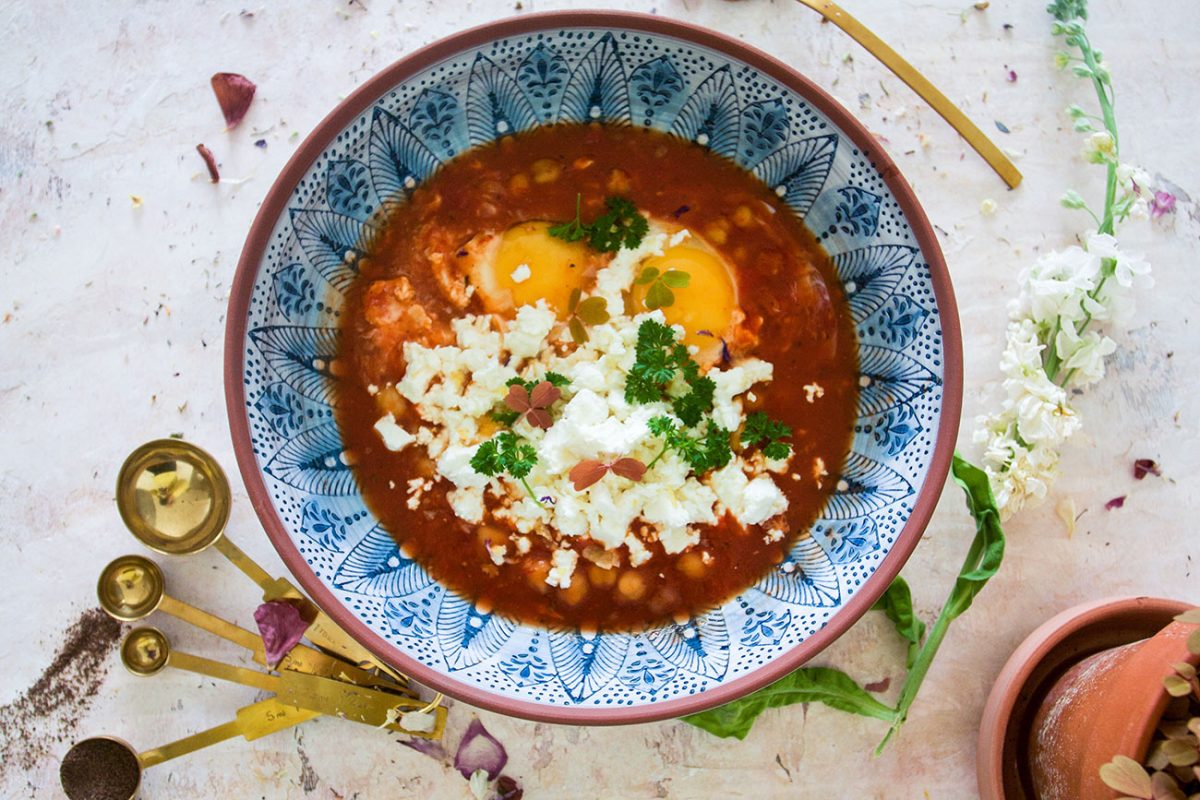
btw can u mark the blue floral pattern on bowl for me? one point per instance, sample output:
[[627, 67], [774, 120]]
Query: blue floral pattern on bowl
[[620, 77]]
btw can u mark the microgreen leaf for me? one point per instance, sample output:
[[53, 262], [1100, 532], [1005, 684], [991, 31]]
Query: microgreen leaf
[[589, 471], [593, 311], [578, 332], [574, 230], [808, 685], [676, 279], [648, 275], [897, 604], [573, 303], [659, 296]]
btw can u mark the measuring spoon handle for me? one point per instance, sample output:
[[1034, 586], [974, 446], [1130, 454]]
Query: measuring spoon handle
[[244, 562], [223, 671], [209, 622], [253, 721]]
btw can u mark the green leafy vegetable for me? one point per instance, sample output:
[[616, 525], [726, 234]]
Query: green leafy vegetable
[[761, 428], [619, 227], [897, 604], [837, 689], [506, 452], [593, 311], [702, 452], [659, 295], [692, 406], [659, 357], [808, 685]]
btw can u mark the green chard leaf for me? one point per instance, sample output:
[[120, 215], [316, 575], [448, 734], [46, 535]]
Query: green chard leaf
[[832, 687], [897, 604]]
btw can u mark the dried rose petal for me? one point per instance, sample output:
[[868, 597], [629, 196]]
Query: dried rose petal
[[1146, 466], [479, 750], [281, 627], [517, 398], [1161, 204], [1116, 502], [629, 468], [878, 686], [585, 473], [210, 161], [507, 788], [428, 747], [544, 395], [234, 93]]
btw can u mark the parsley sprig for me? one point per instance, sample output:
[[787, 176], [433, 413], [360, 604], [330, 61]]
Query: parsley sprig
[[761, 428], [659, 359], [620, 226], [507, 452], [702, 452]]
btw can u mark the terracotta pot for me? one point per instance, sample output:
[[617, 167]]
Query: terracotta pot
[[1084, 687]]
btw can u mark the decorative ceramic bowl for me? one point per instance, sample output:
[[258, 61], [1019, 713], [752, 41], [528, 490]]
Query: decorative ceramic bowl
[[622, 69]]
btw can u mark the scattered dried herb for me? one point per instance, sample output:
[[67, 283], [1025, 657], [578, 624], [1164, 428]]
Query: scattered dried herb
[[592, 311], [588, 472], [761, 428], [660, 294], [234, 93], [210, 161], [1146, 466], [1116, 502], [100, 769], [619, 227]]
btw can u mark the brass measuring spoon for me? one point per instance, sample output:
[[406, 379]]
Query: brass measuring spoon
[[175, 499], [132, 588], [147, 651], [108, 768]]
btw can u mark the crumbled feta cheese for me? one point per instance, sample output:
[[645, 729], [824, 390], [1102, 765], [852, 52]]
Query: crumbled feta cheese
[[678, 237], [818, 470], [773, 535], [812, 391], [527, 332], [676, 540], [523, 545], [416, 488], [750, 501], [638, 554], [372, 389], [727, 411], [521, 274], [562, 567], [497, 552], [455, 466], [467, 503], [394, 437]]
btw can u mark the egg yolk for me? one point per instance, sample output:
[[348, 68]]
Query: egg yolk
[[705, 304], [533, 265]]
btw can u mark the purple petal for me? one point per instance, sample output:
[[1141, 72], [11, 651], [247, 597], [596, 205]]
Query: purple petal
[[726, 356], [1146, 466], [507, 788], [704, 332], [478, 749], [679, 212], [281, 627], [1161, 204], [428, 747], [1116, 502]]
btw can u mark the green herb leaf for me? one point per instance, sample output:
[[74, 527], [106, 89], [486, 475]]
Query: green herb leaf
[[506, 452], [832, 687], [574, 230], [676, 278], [761, 428], [777, 451], [560, 381], [619, 227], [593, 311], [698, 402], [896, 603], [504, 415], [578, 333], [659, 296], [648, 275]]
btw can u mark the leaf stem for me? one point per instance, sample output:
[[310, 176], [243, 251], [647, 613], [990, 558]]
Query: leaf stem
[[532, 494]]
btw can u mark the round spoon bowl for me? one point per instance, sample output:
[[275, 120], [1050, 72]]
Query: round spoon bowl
[[130, 588], [101, 768], [145, 651], [173, 497]]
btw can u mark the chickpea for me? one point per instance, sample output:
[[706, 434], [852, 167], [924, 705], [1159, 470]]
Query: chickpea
[[631, 586], [388, 400], [518, 183], [602, 578], [716, 233], [664, 600], [583, 162], [692, 565], [545, 170], [536, 571], [484, 605], [425, 468], [618, 182], [490, 535], [743, 217], [573, 595]]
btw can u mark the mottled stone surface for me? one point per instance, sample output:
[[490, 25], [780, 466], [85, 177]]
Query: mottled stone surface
[[113, 317]]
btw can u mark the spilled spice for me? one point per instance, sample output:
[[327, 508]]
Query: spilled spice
[[47, 713]]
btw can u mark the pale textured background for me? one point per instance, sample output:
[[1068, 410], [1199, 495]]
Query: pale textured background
[[113, 319]]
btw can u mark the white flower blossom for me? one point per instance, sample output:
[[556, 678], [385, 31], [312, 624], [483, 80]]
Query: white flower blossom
[[1083, 356], [1055, 285], [1099, 147]]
